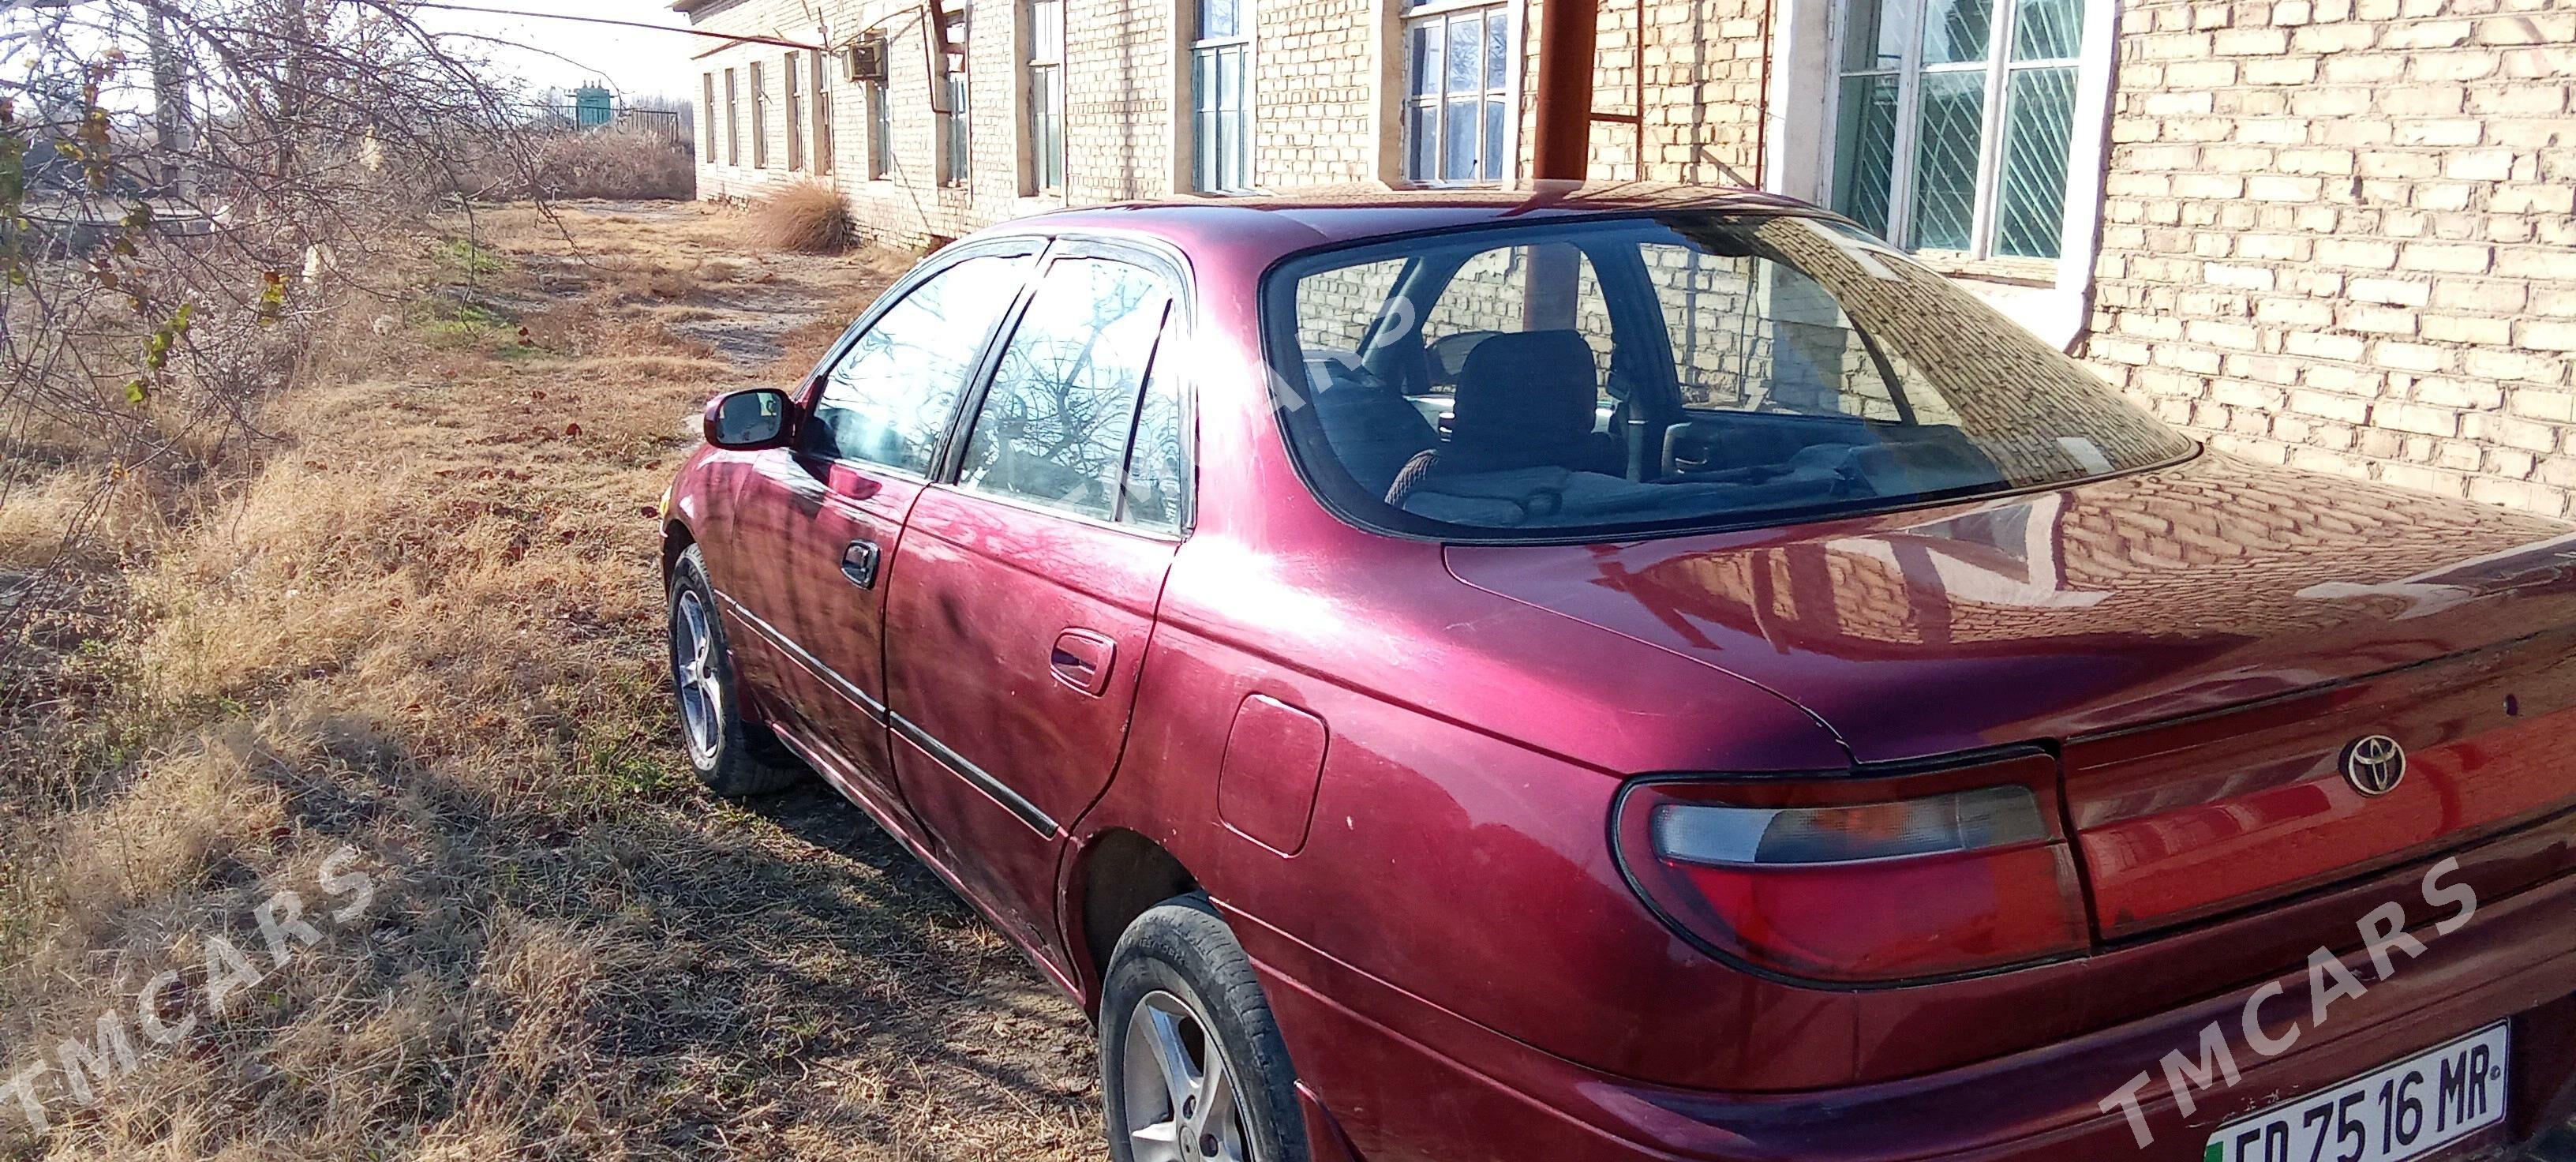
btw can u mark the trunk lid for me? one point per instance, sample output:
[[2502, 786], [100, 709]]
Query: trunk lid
[[2202, 642]]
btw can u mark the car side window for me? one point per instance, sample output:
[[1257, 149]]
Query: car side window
[[887, 400], [1158, 464], [1054, 427]]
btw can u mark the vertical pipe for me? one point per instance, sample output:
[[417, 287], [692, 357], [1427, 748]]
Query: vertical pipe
[[1567, 32]]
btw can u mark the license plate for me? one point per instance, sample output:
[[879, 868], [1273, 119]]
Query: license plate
[[2401, 1111]]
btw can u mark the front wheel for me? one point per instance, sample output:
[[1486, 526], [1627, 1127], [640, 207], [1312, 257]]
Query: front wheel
[[1193, 1068], [734, 757]]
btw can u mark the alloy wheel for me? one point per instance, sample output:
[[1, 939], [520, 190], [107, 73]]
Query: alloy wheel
[[693, 672], [1183, 1101]]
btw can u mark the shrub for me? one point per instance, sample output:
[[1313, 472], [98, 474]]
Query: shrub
[[599, 163], [807, 216]]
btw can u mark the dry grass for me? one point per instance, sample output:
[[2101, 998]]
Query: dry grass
[[805, 218], [426, 628], [599, 163]]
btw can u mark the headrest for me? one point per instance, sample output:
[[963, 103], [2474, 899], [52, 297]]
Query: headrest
[[1525, 398]]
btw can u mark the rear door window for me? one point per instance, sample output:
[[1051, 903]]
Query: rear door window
[[887, 401], [1056, 425]]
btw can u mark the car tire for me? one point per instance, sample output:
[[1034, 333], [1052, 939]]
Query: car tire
[[733, 756], [1177, 987]]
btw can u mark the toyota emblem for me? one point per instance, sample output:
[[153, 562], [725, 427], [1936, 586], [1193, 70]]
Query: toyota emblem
[[2374, 764]]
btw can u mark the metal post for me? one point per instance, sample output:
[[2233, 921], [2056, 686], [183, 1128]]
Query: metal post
[[1567, 32]]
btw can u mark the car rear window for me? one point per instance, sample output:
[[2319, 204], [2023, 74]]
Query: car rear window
[[1607, 378]]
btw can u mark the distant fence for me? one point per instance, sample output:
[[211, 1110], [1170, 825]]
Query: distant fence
[[571, 117]]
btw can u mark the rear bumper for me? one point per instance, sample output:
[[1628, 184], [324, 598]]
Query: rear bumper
[[1366, 1051]]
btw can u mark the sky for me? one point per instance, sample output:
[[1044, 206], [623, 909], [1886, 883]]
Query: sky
[[634, 61]]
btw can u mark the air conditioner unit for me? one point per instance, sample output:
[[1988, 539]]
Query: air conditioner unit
[[867, 60]]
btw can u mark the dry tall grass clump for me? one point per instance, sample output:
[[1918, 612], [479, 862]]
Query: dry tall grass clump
[[805, 218], [613, 163], [419, 639]]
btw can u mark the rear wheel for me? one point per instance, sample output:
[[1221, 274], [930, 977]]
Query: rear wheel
[[732, 756], [1192, 1065]]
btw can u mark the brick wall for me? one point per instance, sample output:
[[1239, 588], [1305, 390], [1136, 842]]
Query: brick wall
[[1118, 99], [2338, 235], [1314, 93]]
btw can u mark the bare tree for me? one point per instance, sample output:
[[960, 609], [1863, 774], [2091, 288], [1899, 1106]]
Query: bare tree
[[186, 187]]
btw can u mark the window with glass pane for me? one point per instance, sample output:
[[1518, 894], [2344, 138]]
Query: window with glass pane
[[795, 77], [1221, 97], [1954, 121], [1054, 426], [1457, 92], [880, 126], [955, 163], [814, 66], [1046, 95], [887, 400], [733, 121], [759, 117], [707, 113], [1156, 491]]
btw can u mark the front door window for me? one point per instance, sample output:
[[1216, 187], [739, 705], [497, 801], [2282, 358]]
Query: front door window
[[888, 400]]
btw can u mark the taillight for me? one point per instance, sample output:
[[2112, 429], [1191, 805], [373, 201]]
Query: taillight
[[1855, 878]]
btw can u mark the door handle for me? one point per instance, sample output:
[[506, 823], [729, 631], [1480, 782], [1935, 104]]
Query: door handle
[[1081, 660], [859, 564]]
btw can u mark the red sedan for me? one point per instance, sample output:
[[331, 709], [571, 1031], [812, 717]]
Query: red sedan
[[1645, 673]]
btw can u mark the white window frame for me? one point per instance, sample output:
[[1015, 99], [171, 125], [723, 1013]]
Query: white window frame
[[1910, 71], [879, 110], [792, 72], [822, 154], [1037, 57], [733, 119], [1197, 174], [707, 112], [954, 125], [759, 117], [1406, 101], [1798, 158]]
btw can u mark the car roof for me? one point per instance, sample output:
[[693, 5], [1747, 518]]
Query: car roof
[[1317, 217]]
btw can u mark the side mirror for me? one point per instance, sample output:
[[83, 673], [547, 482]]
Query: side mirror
[[756, 418]]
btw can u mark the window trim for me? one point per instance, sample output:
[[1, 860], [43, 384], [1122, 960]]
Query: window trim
[[707, 113], [1910, 72], [1178, 332], [1798, 159], [733, 120], [759, 117], [1031, 58], [1401, 100], [953, 128], [878, 107], [978, 369], [822, 154], [1186, 108], [791, 75]]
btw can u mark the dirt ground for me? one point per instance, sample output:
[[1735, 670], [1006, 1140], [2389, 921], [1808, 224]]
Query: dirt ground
[[428, 629]]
